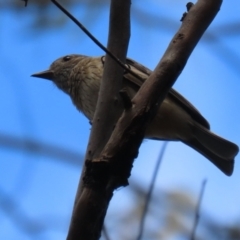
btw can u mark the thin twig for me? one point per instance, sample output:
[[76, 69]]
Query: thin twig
[[94, 39], [150, 190], [105, 232], [197, 215], [26, 2]]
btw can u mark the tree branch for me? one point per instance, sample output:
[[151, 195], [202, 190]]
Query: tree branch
[[150, 191], [99, 44], [32, 146], [197, 213], [127, 136], [91, 204], [112, 167]]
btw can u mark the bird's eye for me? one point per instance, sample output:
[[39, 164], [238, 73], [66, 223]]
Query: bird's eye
[[66, 58]]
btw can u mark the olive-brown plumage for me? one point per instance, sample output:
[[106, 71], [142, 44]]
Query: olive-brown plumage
[[177, 119]]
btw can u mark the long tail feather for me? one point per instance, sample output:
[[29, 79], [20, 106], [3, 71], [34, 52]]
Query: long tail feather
[[218, 150]]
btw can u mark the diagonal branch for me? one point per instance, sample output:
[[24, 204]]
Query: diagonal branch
[[111, 167], [127, 136], [99, 44], [197, 213], [150, 191], [32, 146]]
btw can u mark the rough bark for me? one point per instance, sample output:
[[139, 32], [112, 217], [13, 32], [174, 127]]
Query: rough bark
[[91, 204], [110, 168]]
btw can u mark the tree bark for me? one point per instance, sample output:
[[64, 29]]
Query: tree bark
[[110, 168], [91, 204]]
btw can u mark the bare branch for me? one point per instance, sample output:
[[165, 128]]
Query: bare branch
[[112, 168], [91, 203], [25, 2], [125, 98], [94, 39], [36, 147], [105, 233], [150, 190], [197, 214], [127, 136]]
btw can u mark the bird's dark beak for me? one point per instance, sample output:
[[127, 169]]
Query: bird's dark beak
[[45, 74]]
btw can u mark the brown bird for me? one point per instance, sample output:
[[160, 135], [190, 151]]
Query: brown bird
[[177, 119]]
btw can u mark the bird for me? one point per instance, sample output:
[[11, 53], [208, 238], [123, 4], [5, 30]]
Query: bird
[[176, 119]]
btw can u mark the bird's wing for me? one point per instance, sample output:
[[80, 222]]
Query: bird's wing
[[143, 74]]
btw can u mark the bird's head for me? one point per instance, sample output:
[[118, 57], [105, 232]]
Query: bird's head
[[60, 71]]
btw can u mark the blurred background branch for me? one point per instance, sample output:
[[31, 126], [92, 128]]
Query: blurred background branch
[[39, 123], [40, 148]]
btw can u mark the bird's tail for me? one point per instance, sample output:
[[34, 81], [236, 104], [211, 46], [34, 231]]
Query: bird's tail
[[218, 150]]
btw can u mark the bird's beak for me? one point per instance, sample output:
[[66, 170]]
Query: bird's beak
[[48, 74]]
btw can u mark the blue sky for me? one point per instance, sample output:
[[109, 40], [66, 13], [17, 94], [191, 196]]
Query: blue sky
[[41, 188]]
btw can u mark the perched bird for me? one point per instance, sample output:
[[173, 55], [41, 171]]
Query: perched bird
[[177, 119]]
